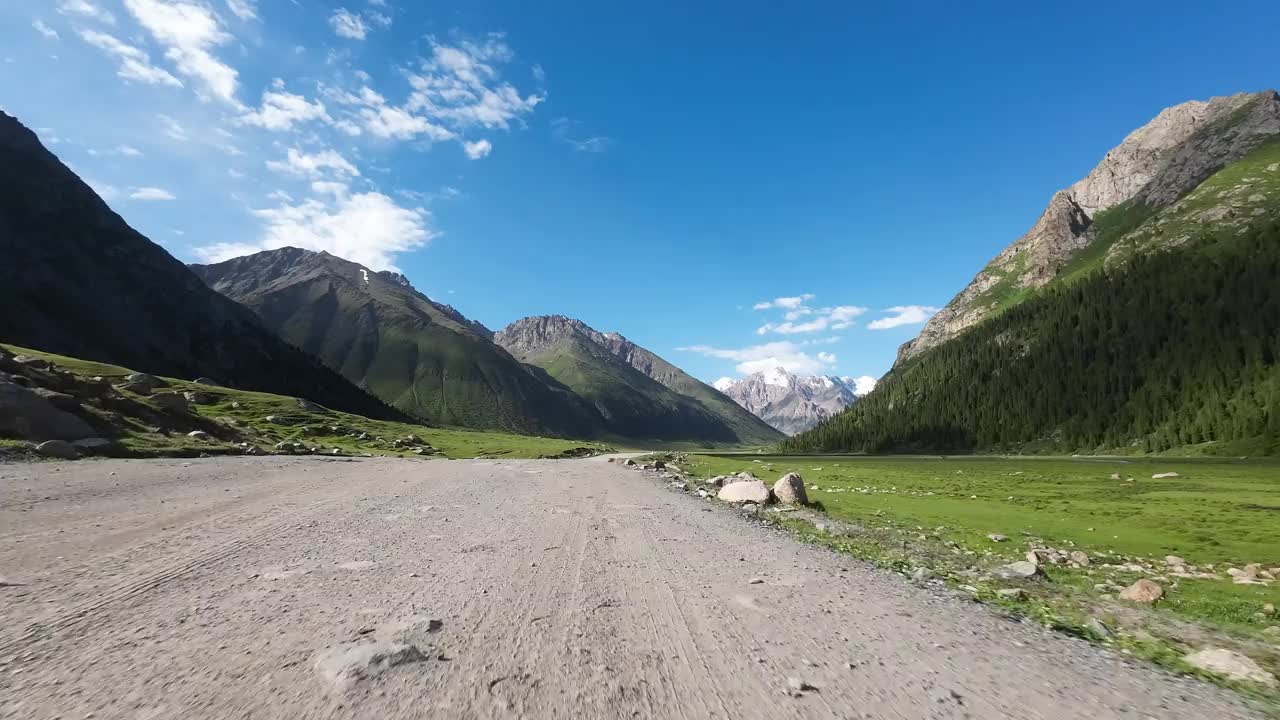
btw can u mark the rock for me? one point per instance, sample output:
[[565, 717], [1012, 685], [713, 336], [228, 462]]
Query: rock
[[33, 362], [629, 462], [276, 420], [207, 381], [200, 398], [741, 477], [199, 435], [743, 491], [1174, 561], [1079, 557], [344, 668], [60, 400], [997, 537], [659, 465], [921, 574], [797, 687], [755, 581], [1097, 628], [1115, 476], [1232, 664], [142, 383], [60, 449], [24, 413], [789, 490], [1143, 591], [1164, 475], [1021, 570], [1269, 609], [1011, 594], [171, 401], [313, 407], [92, 443]]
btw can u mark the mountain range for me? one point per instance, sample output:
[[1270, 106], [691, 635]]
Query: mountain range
[[638, 394], [77, 280], [1139, 313], [791, 403]]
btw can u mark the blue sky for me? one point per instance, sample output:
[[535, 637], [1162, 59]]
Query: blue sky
[[731, 186]]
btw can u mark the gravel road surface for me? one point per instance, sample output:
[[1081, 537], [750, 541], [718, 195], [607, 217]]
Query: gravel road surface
[[327, 588]]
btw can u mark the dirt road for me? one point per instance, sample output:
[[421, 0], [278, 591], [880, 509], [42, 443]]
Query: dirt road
[[311, 588]]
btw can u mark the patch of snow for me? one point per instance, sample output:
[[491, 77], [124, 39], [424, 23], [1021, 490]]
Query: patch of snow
[[724, 383], [776, 376], [365, 273]]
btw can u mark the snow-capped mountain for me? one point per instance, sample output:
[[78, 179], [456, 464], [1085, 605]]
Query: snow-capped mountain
[[793, 403]]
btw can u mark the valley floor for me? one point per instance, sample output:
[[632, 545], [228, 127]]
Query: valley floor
[[341, 588]]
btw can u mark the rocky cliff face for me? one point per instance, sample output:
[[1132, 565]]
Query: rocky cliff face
[[789, 402], [1153, 167]]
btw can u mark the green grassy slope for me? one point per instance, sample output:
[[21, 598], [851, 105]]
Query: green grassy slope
[[1170, 351], [138, 427]]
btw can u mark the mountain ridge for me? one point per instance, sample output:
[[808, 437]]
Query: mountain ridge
[[1151, 168], [78, 280], [377, 330], [639, 393], [788, 402]]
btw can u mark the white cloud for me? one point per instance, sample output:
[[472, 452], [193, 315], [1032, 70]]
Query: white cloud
[[173, 128], [313, 165], [151, 193], [562, 129], [460, 85], [903, 315], [478, 149], [367, 228], [135, 64], [862, 384], [189, 31], [127, 151], [86, 9], [45, 30], [784, 354], [348, 25], [829, 318], [243, 9], [281, 110], [786, 303]]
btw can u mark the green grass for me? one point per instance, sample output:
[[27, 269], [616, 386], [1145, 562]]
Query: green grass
[[937, 512], [239, 416]]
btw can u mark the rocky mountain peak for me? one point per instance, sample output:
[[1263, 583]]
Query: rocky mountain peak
[[791, 403], [1152, 167], [537, 333]]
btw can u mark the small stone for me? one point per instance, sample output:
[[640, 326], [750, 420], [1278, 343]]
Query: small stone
[[797, 687], [1011, 594], [997, 537], [1097, 628], [1143, 591], [1232, 664], [1174, 561], [755, 581], [1080, 557], [199, 435], [1269, 609], [1021, 570], [1164, 475]]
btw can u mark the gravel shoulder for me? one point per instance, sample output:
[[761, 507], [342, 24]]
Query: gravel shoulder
[[324, 588]]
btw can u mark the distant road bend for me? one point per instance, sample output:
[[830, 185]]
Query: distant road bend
[[314, 588]]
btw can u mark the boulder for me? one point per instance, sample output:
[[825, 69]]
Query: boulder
[[200, 398], [1143, 591], [207, 381], [1021, 570], [659, 464], [313, 407], [629, 462], [143, 384], [1080, 557], [789, 490], [60, 449], [171, 401], [92, 443], [743, 491], [1174, 561], [1232, 664], [25, 413], [60, 400], [32, 362], [199, 435], [741, 477]]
